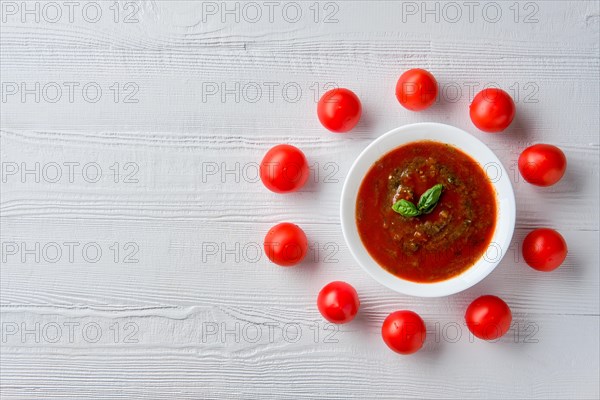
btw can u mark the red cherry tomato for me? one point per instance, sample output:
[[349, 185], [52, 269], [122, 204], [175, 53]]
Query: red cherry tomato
[[492, 110], [544, 249], [286, 244], [416, 89], [404, 332], [284, 169], [488, 317], [542, 164], [339, 110], [338, 302]]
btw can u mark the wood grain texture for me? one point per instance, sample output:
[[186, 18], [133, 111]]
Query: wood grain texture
[[173, 305]]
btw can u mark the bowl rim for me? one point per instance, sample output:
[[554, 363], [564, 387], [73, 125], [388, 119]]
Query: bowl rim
[[438, 132]]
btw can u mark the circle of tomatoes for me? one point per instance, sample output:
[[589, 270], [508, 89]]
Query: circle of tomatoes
[[286, 244], [338, 302], [284, 169], [488, 317], [492, 110], [542, 164], [416, 89], [544, 249], [404, 332], [339, 110]]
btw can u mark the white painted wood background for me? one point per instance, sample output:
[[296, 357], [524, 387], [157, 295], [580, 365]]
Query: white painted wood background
[[180, 320]]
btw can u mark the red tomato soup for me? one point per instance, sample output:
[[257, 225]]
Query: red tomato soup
[[433, 246]]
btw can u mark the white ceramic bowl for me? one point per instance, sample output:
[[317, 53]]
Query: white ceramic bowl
[[505, 199]]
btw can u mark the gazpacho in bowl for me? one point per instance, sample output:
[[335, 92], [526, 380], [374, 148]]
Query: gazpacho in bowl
[[428, 210]]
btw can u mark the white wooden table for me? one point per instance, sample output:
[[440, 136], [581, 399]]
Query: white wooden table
[[132, 218]]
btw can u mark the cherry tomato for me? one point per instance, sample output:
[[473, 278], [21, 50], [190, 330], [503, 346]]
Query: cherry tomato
[[544, 249], [284, 169], [492, 110], [542, 164], [404, 332], [286, 244], [416, 89], [488, 317], [339, 110], [338, 302]]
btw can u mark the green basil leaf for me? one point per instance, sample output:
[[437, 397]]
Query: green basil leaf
[[429, 199], [406, 208]]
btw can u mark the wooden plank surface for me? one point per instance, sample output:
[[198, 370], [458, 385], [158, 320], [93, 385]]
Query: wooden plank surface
[[132, 217]]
